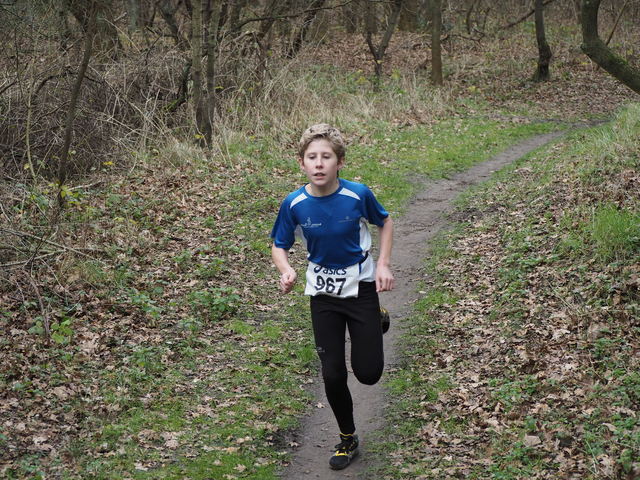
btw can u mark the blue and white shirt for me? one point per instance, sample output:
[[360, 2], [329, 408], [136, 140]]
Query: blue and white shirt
[[333, 228]]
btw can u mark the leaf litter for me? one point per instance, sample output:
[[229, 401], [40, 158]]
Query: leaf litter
[[539, 337], [152, 229]]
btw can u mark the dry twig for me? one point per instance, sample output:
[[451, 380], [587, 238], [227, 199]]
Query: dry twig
[[45, 317], [29, 235]]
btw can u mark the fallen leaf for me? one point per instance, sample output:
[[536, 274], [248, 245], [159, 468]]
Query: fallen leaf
[[532, 440]]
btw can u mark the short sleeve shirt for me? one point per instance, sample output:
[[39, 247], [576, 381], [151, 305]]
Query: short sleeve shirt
[[333, 228]]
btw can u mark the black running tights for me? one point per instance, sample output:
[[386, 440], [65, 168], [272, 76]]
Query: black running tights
[[361, 316]]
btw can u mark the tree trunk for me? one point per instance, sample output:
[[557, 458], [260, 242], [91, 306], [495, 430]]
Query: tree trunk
[[234, 15], [597, 51], [409, 16], [544, 52], [617, 21], [370, 19], [106, 34], [272, 9], [379, 51], [63, 167], [65, 31], [196, 63], [467, 17], [351, 15], [300, 34], [168, 14], [436, 49], [212, 53]]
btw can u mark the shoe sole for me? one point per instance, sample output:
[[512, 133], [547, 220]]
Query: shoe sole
[[385, 321], [353, 455]]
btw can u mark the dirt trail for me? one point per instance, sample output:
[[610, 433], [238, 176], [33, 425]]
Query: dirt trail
[[425, 217]]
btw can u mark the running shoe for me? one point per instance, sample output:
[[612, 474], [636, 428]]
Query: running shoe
[[346, 450], [385, 320]]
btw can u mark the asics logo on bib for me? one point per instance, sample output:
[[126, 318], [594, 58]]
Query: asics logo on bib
[[329, 271]]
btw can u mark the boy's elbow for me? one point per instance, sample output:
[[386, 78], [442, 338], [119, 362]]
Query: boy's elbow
[[278, 252]]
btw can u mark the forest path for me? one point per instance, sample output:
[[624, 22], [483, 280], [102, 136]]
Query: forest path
[[424, 218]]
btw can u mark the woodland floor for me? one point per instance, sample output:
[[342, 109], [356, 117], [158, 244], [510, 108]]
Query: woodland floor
[[119, 335]]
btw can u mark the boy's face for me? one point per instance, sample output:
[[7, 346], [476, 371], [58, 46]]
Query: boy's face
[[321, 165]]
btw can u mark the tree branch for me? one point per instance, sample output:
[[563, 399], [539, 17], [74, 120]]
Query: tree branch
[[602, 55], [523, 18], [41, 239], [24, 262], [615, 24], [291, 15], [75, 94], [45, 318]]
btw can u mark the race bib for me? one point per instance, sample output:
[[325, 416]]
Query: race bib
[[335, 282]]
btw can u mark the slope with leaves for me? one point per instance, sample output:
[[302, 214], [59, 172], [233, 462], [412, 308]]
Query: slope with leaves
[[523, 359], [171, 354], [159, 346]]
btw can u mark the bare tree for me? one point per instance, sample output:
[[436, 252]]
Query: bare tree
[[196, 63], [106, 36], [232, 14], [436, 49], [133, 12], [379, 51], [205, 22], [476, 18], [300, 34], [408, 16], [544, 51], [351, 12], [598, 51], [616, 22], [168, 11], [75, 94], [273, 10], [527, 15], [212, 53]]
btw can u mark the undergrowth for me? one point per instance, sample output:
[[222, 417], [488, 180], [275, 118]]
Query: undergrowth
[[533, 314], [142, 333], [171, 354]]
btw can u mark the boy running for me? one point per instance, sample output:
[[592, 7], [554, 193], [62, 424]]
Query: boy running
[[330, 216]]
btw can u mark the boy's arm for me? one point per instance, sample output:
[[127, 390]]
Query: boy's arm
[[288, 275], [384, 277]]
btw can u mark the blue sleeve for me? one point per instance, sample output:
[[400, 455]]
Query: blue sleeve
[[283, 232], [374, 212]]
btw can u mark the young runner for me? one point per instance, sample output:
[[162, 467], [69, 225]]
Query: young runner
[[330, 216]]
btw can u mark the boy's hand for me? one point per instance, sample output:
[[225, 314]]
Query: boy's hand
[[288, 280], [384, 279]]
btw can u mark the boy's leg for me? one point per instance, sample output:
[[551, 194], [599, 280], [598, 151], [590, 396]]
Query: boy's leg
[[329, 332], [365, 331]]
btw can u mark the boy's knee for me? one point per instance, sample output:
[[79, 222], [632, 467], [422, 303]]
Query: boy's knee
[[369, 377], [333, 376]]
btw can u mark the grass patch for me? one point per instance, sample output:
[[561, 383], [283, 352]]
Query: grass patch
[[386, 157], [615, 233]]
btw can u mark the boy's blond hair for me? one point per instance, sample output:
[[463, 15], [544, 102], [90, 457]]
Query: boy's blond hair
[[326, 132]]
